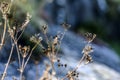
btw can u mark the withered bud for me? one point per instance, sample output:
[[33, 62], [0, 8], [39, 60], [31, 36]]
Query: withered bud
[[90, 37]]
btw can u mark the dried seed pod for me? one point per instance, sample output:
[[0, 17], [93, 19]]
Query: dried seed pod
[[11, 32], [65, 65], [90, 37], [4, 7], [36, 38], [59, 65], [24, 50], [55, 40], [88, 59]]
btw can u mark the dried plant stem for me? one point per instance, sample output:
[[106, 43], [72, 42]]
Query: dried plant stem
[[25, 63], [52, 57], [52, 63], [18, 53], [22, 68], [20, 35], [5, 70], [16, 44], [81, 60], [30, 55], [4, 32], [60, 42]]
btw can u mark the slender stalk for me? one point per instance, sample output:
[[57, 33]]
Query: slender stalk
[[4, 32], [20, 34], [60, 42], [30, 55], [5, 70], [81, 60], [18, 53], [16, 45], [22, 68], [52, 57]]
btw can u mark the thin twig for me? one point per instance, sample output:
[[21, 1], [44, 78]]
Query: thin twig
[[18, 53], [22, 68], [81, 60], [4, 32], [20, 35], [60, 42], [5, 70], [30, 55], [16, 45]]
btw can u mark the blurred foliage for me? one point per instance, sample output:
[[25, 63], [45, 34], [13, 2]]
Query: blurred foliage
[[116, 46], [106, 26], [93, 26]]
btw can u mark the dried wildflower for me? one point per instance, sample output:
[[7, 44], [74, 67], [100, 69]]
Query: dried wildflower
[[88, 49], [72, 75], [55, 40], [11, 32], [4, 7], [24, 50], [36, 38], [88, 59], [47, 51], [66, 26], [90, 37], [28, 17]]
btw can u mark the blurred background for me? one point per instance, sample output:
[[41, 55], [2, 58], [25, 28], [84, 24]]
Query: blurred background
[[101, 17], [97, 16]]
